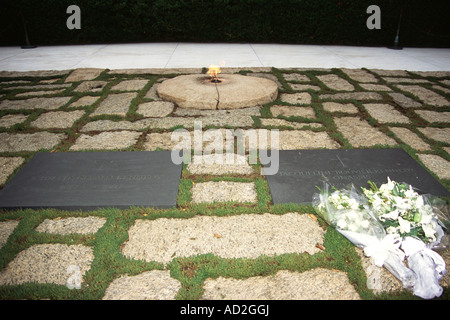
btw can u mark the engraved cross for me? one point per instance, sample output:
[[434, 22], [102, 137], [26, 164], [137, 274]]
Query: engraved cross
[[340, 160]]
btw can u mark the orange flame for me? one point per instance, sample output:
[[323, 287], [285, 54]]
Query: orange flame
[[213, 71]]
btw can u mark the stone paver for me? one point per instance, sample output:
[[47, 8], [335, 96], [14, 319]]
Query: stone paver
[[404, 80], [169, 123], [441, 88], [12, 119], [47, 263], [15, 142], [291, 111], [84, 101], [437, 164], [296, 77], [109, 125], [340, 107], [404, 101], [152, 93], [164, 141], [42, 85], [84, 74], [7, 166], [285, 123], [91, 86], [304, 87], [150, 285], [303, 139], [6, 229], [360, 75], [34, 103], [231, 120], [252, 111], [434, 116], [57, 119], [220, 164], [437, 74], [427, 96], [438, 134], [385, 113], [316, 284], [71, 225], [38, 73], [220, 191], [358, 96], [38, 93], [410, 138], [209, 140], [296, 98], [288, 140], [115, 104], [360, 133], [106, 140], [130, 85], [241, 236], [391, 73], [155, 109], [375, 87], [335, 82]]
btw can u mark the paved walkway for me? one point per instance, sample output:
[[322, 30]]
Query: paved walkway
[[254, 255], [194, 55]]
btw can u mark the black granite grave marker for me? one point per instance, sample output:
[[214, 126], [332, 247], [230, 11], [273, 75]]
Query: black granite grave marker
[[300, 171], [91, 180]]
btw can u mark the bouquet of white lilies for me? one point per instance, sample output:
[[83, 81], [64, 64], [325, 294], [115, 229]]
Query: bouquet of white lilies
[[403, 211], [389, 223]]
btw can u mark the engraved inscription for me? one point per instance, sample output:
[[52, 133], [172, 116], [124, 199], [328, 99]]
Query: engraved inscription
[[70, 178], [342, 178], [345, 174]]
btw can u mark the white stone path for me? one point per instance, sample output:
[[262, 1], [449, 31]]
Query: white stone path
[[194, 55]]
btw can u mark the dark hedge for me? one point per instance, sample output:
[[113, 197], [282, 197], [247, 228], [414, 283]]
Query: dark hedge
[[332, 22]]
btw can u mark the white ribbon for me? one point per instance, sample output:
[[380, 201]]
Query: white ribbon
[[428, 267], [379, 251]]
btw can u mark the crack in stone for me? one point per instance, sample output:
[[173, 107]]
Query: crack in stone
[[218, 96]]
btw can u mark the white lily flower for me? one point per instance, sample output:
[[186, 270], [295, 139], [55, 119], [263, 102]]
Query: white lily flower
[[430, 231], [405, 225], [419, 202], [393, 215], [410, 193]]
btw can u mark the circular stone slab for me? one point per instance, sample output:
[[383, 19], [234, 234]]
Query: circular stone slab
[[233, 92]]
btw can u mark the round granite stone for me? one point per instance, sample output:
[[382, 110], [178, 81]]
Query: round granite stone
[[233, 92]]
